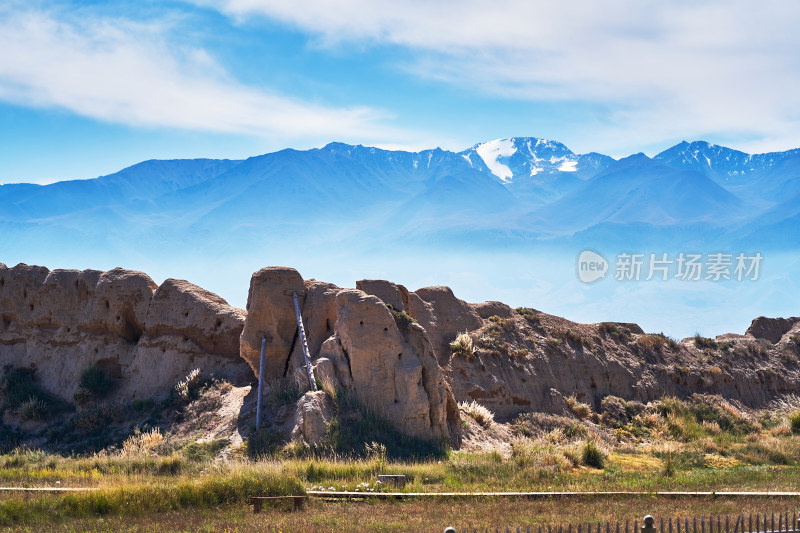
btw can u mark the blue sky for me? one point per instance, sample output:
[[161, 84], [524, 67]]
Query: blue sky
[[87, 88]]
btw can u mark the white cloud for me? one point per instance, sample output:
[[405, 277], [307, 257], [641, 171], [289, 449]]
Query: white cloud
[[666, 69], [120, 71]]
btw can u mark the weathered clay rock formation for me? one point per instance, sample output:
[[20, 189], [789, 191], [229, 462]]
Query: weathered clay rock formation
[[355, 345], [772, 329], [147, 337], [391, 348]]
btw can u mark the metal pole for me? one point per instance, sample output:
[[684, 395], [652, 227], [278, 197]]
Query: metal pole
[[312, 383], [260, 381]]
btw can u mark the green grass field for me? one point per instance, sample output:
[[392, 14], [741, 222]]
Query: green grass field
[[700, 444]]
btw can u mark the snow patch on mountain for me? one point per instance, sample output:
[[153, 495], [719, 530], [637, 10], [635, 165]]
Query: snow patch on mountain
[[491, 151], [568, 166]]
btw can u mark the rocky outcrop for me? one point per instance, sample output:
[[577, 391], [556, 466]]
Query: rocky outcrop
[[355, 344], [312, 418], [388, 292], [771, 329], [393, 372], [146, 337], [443, 316], [271, 315], [387, 347], [532, 363]]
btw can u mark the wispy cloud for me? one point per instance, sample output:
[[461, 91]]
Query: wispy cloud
[[135, 73], [665, 69]]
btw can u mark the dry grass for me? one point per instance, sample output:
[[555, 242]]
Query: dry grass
[[478, 412], [425, 515], [463, 346]]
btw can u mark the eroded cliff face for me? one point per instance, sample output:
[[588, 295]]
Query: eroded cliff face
[[410, 356], [146, 337]]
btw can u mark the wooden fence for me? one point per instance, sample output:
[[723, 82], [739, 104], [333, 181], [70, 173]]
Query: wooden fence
[[786, 522]]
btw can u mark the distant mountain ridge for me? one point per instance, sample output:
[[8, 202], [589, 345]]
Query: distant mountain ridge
[[503, 191]]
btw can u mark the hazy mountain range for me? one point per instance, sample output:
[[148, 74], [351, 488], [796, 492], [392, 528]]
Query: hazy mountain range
[[495, 193]]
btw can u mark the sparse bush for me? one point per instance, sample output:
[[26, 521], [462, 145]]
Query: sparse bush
[[794, 422], [82, 396], [19, 387], [97, 417], [96, 381], [670, 465], [188, 385], [142, 443], [203, 451], [581, 410], [592, 455], [654, 342], [576, 430], [32, 409], [463, 346], [402, 318], [726, 346], [616, 412], [355, 424], [285, 391], [478, 412], [503, 323], [546, 457], [615, 331], [572, 336], [704, 342]]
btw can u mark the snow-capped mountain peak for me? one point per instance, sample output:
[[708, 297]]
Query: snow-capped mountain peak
[[492, 151]]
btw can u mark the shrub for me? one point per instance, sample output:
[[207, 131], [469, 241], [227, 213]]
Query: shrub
[[794, 422], [572, 336], [669, 465], [581, 410], [263, 443], [463, 346], [97, 417], [32, 409], [617, 332], [592, 455], [142, 443], [616, 412], [96, 381], [19, 387], [189, 385], [478, 412], [400, 317], [356, 424], [285, 391], [503, 323], [203, 451], [82, 396], [654, 342], [704, 342]]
